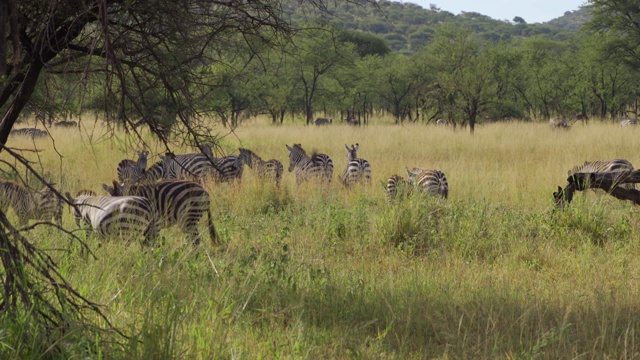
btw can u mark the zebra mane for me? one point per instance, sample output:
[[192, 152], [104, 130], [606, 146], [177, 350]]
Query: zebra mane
[[86, 192]]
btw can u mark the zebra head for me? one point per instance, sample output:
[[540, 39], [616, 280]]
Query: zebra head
[[296, 154], [142, 159], [563, 196], [352, 152], [206, 149]]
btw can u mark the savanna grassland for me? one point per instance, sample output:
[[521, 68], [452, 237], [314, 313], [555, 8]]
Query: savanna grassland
[[494, 271]]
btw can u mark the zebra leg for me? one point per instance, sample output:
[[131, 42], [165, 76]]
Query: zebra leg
[[212, 229]]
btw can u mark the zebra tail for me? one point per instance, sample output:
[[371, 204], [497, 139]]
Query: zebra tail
[[212, 229]]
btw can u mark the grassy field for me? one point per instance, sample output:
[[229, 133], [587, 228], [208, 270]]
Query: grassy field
[[492, 272]]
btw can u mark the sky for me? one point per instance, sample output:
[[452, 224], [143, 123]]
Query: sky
[[532, 11]]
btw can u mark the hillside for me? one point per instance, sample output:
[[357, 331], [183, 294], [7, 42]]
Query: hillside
[[407, 27]]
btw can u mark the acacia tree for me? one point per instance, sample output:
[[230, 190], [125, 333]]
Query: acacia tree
[[465, 70], [316, 51], [142, 58]]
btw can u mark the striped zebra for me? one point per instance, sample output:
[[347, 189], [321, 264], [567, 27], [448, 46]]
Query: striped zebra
[[115, 216], [598, 166], [318, 166], [29, 204], [30, 132], [323, 121], [227, 168], [395, 184], [432, 181], [559, 124], [132, 171], [270, 169], [182, 203], [628, 122], [194, 166], [66, 124], [357, 170]]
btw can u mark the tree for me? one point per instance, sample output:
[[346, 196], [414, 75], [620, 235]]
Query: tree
[[620, 20], [519, 20], [316, 51], [465, 69], [142, 58]]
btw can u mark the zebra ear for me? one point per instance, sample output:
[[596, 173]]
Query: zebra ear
[[356, 146], [408, 171], [289, 147], [346, 147], [108, 189], [68, 196]]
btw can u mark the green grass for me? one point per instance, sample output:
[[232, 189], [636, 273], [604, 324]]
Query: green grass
[[492, 272]]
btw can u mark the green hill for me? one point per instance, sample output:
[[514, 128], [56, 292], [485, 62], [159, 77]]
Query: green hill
[[406, 27]]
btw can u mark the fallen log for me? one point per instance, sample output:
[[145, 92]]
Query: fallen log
[[609, 182]]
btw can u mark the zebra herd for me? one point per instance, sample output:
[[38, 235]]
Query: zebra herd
[[145, 199]]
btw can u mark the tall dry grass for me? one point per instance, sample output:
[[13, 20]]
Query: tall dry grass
[[492, 272]]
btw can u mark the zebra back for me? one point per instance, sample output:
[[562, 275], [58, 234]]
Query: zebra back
[[116, 216], [186, 166], [229, 168], [318, 166], [433, 181], [628, 122], [357, 170], [30, 132], [616, 165], [182, 203]]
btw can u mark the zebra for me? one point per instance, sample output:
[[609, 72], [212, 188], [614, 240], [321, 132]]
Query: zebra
[[30, 132], [29, 204], [395, 183], [441, 122], [598, 166], [353, 122], [132, 171], [433, 181], [562, 124], [357, 170], [185, 166], [115, 216], [66, 124], [317, 166], [271, 169], [227, 168], [628, 122], [323, 121], [181, 203]]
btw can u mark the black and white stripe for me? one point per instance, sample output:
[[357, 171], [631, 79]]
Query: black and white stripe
[[270, 169], [395, 184], [132, 171], [29, 204], [432, 181], [318, 166], [30, 132], [628, 122], [358, 170], [182, 203], [194, 166], [227, 169], [616, 165], [111, 216], [66, 124]]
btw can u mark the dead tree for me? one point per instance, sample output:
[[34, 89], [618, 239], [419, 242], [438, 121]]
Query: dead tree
[[609, 182]]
